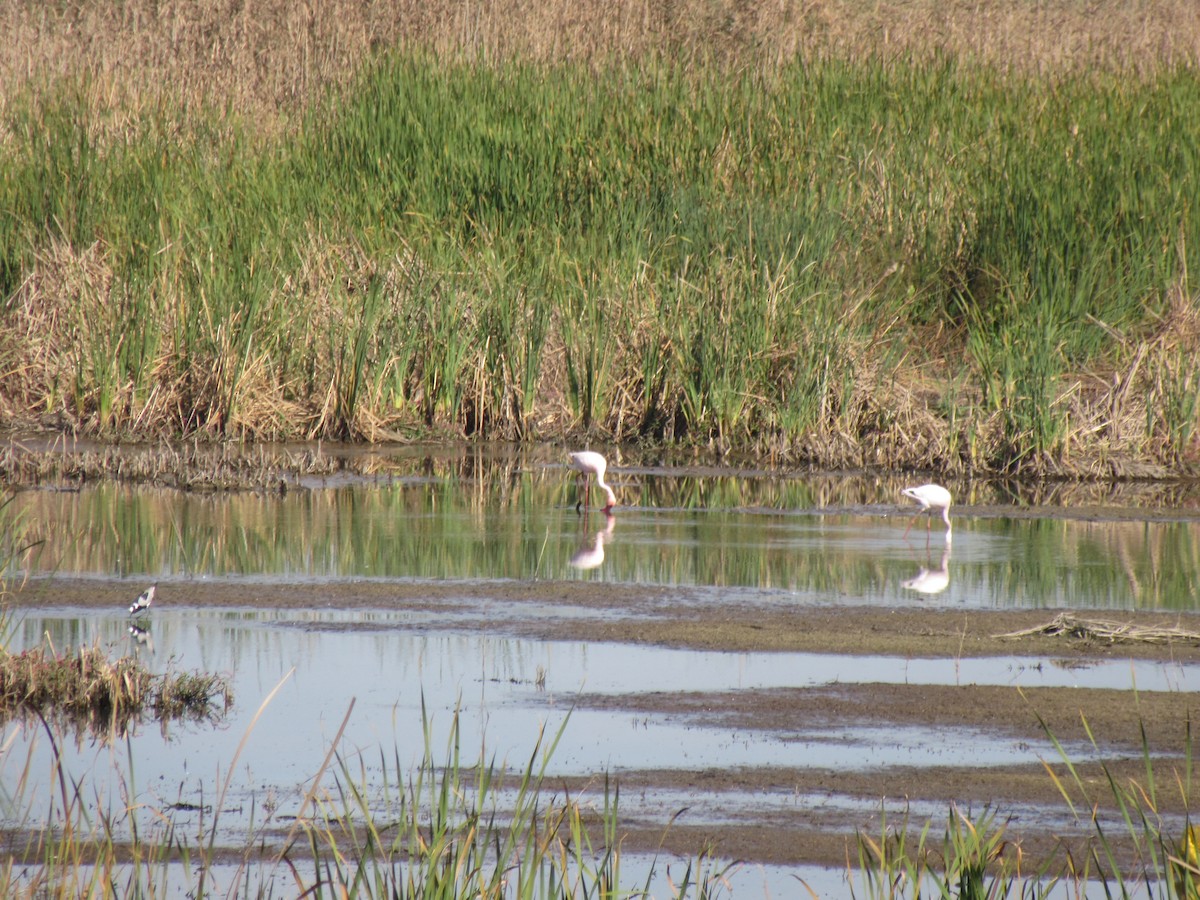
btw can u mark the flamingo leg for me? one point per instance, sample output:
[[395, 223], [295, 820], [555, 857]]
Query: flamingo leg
[[583, 503]]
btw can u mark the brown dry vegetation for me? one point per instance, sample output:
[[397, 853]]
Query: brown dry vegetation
[[97, 694], [266, 55]]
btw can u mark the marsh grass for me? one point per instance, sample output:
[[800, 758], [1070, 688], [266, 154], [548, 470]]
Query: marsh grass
[[930, 260], [451, 828], [973, 860], [1154, 850], [1142, 841]]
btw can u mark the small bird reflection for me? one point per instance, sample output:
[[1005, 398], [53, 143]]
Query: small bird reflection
[[141, 637], [591, 552], [931, 581]]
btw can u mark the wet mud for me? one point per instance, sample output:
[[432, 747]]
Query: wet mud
[[809, 814]]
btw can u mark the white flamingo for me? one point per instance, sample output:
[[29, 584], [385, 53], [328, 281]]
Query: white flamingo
[[143, 601], [588, 462], [931, 497]]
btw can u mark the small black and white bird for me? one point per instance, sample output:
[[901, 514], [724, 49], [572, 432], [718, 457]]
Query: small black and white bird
[[142, 603]]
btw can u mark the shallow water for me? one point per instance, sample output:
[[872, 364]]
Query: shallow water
[[392, 671], [732, 539], [816, 540]]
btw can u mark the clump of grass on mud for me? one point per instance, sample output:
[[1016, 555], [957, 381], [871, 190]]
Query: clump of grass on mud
[[90, 687]]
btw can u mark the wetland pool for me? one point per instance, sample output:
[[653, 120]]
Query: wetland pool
[[467, 586]]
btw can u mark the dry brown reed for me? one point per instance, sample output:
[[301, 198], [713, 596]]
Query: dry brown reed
[[275, 54]]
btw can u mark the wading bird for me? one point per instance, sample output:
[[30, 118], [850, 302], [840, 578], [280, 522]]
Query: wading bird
[[142, 603], [931, 497], [588, 462]]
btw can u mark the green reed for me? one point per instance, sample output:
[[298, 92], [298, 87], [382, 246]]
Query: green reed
[[442, 827], [754, 257], [1162, 854], [1153, 851]]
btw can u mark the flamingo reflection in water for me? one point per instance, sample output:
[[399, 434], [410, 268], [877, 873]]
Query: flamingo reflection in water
[[931, 581], [591, 553]]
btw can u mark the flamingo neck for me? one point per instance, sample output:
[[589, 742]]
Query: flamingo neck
[[612, 498]]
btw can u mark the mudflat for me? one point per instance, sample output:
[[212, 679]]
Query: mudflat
[[1130, 730]]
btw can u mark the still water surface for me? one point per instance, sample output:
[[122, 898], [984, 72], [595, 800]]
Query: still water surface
[[730, 539], [814, 540]]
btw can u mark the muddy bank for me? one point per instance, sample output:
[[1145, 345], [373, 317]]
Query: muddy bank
[[685, 617], [799, 812], [57, 462]]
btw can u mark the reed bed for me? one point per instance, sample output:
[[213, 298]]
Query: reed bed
[[845, 258]]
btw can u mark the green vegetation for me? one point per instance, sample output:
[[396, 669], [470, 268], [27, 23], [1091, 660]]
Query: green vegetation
[[442, 829], [926, 262], [1148, 848], [457, 831]]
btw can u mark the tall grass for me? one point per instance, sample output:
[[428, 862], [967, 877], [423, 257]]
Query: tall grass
[[1142, 841], [1162, 854], [921, 262]]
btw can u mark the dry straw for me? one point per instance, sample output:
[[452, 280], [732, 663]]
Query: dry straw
[[1072, 626]]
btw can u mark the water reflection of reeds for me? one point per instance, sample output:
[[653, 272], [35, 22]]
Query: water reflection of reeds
[[474, 516]]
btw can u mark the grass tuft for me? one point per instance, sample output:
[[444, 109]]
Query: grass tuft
[[101, 694]]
